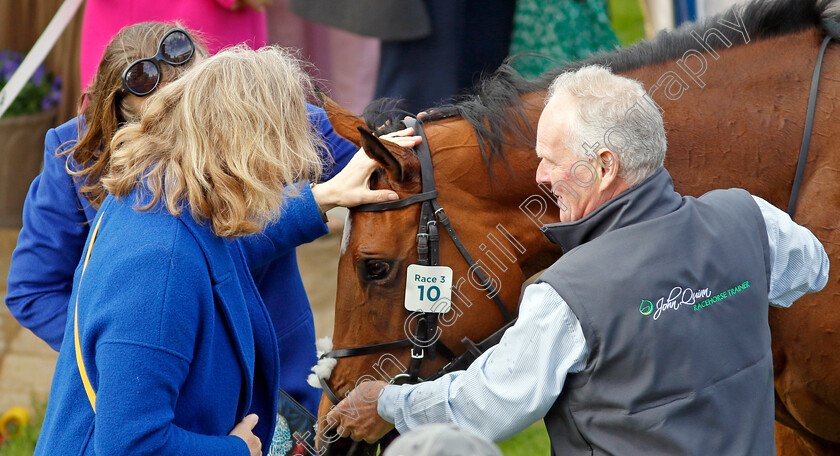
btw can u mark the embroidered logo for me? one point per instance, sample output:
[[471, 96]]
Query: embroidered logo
[[684, 296], [722, 295]]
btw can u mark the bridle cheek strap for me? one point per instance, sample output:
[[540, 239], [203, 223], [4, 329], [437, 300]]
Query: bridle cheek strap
[[428, 254]]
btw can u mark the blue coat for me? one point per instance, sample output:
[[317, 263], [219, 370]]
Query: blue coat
[[56, 223], [175, 340]]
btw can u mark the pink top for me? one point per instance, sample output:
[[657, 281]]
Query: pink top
[[219, 26]]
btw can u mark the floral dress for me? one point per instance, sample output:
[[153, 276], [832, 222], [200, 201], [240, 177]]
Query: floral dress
[[550, 33]]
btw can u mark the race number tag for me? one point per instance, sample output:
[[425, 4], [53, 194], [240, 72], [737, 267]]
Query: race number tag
[[428, 288]]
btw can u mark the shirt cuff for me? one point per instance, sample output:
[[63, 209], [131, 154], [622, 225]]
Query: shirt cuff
[[386, 405]]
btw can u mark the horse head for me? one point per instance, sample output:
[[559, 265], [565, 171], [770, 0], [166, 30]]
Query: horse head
[[481, 197]]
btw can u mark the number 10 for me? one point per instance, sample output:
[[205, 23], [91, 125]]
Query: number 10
[[429, 292]]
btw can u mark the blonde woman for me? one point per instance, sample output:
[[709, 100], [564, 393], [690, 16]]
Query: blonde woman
[[168, 348], [64, 198]]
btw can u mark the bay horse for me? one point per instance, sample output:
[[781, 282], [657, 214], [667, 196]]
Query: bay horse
[[733, 91]]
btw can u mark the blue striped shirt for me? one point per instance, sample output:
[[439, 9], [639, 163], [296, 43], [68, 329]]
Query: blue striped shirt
[[514, 384]]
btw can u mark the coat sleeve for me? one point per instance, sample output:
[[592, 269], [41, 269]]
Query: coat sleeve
[[48, 249], [135, 403], [145, 335]]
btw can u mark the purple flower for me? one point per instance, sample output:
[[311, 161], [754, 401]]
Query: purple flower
[[51, 100], [10, 55], [48, 87], [38, 76], [9, 68]]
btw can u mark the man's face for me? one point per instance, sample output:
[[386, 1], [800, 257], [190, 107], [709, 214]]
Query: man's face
[[558, 163]]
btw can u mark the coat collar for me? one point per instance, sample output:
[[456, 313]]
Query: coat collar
[[654, 197]]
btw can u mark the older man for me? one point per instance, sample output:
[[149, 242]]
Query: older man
[[650, 334]]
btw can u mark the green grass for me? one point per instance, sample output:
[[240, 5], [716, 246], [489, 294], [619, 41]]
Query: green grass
[[533, 441], [627, 20], [24, 444]]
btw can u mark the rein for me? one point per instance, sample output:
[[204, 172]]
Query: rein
[[428, 240], [809, 119]]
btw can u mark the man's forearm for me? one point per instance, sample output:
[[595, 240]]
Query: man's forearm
[[508, 387]]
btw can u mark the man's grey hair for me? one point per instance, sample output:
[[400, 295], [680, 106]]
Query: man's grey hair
[[617, 113]]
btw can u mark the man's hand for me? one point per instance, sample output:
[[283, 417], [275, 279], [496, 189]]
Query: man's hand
[[356, 416], [245, 431]]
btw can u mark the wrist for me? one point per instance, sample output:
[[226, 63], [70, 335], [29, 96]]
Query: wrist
[[323, 196]]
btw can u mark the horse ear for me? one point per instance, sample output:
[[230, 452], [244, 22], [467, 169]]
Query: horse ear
[[397, 161], [344, 122]]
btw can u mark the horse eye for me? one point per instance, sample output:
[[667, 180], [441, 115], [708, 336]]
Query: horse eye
[[377, 269]]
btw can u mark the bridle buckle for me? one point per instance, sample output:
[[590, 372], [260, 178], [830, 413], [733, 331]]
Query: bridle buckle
[[416, 355]]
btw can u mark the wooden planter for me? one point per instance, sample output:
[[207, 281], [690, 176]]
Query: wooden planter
[[21, 157]]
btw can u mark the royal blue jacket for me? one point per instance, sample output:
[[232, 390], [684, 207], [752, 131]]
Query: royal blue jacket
[[56, 223], [174, 337]]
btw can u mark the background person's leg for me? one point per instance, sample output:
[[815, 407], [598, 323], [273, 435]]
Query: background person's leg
[[424, 72]]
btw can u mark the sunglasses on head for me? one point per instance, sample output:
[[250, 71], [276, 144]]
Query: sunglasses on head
[[142, 77]]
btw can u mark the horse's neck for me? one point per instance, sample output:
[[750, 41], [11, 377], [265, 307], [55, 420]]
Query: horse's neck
[[714, 138], [506, 224], [743, 127]]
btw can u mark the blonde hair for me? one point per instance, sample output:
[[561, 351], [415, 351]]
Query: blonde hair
[[104, 108], [226, 141]]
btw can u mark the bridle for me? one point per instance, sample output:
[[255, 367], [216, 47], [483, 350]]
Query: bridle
[[428, 239]]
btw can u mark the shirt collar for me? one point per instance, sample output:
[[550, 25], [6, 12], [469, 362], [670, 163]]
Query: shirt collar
[[654, 197]]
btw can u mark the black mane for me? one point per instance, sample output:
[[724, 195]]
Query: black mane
[[494, 109], [762, 19]]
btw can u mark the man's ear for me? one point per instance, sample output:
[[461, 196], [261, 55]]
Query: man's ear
[[398, 162], [344, 122], [609, 166]]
